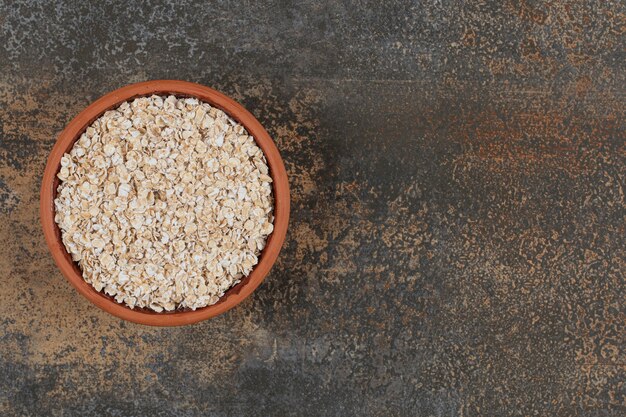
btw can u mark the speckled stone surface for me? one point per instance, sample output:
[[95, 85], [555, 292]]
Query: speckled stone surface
[[457, 241]]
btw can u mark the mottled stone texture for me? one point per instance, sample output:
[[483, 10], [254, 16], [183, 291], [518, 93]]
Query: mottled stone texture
[[457, 241]]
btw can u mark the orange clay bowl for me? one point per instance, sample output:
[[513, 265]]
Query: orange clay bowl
[[71, 270]]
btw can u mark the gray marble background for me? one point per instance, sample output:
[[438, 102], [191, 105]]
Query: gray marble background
[[456, 245]]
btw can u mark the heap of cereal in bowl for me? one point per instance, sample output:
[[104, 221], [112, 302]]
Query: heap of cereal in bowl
[[165, 203]]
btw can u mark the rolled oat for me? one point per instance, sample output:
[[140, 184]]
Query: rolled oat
[[165, 203]]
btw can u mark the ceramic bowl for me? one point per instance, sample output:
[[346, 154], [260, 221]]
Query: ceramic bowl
[[76, 127]]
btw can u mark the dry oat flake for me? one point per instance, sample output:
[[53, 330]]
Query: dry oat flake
[[165, 203]]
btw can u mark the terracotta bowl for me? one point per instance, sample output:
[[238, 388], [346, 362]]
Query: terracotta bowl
[[76, 127]]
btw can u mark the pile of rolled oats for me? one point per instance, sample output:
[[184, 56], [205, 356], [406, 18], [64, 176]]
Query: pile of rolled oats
[[165, 203]]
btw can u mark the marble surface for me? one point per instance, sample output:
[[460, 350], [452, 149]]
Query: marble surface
[[456, 245]]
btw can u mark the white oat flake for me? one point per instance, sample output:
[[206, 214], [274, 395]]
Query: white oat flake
[[164, 203]]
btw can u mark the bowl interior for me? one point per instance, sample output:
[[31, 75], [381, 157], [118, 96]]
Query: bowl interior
[[72, 133]]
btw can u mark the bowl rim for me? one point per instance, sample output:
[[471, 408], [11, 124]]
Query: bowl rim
[[77, 126]]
